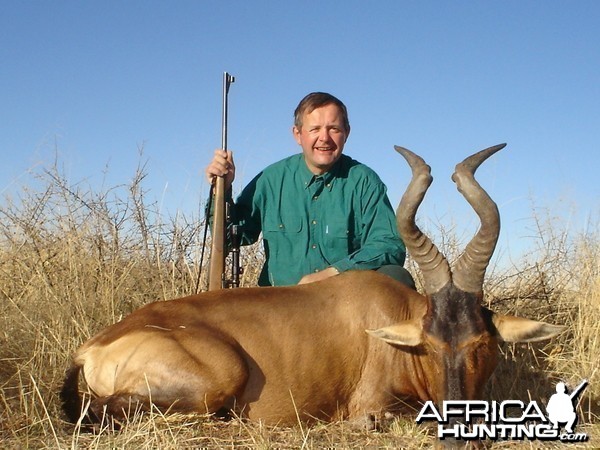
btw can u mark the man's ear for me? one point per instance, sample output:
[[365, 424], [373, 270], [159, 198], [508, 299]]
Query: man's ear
[[296, 132]]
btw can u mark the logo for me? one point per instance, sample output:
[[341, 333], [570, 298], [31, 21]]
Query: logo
[[509, 419]]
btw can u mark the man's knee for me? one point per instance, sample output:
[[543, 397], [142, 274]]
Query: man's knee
[[398, 273]]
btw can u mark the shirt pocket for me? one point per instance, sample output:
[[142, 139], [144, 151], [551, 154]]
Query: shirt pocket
[[282, 224], [336, 235]]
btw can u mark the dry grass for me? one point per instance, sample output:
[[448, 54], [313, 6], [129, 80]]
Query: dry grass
[[73, 261]]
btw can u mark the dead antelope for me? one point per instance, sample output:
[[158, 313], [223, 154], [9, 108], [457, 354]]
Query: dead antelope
[[282, 353]]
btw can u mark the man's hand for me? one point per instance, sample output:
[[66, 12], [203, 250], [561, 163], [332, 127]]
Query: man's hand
[[221, 166], [318, 276]]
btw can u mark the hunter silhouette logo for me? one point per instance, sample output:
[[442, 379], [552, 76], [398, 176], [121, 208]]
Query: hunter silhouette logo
[[509, 419], [561, 406]]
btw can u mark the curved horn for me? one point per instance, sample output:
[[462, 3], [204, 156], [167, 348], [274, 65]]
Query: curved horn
[[469, 270], [433, 265]]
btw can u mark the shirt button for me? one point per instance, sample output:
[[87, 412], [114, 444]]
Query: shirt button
[[314, 246], [314, 222], [315, 197]]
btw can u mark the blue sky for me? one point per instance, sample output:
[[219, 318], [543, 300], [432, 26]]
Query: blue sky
[[93, 81]]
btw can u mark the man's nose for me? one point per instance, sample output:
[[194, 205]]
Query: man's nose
[[324, 135]]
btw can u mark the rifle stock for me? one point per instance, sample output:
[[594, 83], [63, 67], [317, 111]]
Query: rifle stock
[[217, 251]]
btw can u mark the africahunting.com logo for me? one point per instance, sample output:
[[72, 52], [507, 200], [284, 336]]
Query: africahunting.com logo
[[509, 419]]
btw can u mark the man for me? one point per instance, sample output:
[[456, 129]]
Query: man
[[320, 212]]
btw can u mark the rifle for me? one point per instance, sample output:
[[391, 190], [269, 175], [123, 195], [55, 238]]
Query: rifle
[[578, 389], [216, 276]]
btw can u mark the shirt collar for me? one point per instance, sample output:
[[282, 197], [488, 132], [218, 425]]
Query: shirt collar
[[308, 178]]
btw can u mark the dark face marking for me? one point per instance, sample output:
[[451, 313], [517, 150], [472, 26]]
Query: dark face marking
[[461, 344]]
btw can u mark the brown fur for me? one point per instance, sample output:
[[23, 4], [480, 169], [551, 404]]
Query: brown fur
[[281, 354]]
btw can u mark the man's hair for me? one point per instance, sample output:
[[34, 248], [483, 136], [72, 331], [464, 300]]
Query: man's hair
[[316, 100]]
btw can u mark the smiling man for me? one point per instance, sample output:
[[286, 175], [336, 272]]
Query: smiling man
[[320, 212], [322, 134]]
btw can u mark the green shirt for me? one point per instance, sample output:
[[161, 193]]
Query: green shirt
[[342, 219]]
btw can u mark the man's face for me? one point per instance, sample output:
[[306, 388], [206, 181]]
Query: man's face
[[322, 138]]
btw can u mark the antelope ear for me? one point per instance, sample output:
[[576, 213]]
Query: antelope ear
[[406, 333], [518, 329]]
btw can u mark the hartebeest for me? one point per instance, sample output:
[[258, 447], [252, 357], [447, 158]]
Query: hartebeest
[[282, 353]]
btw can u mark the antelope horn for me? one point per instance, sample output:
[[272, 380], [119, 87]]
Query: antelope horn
[[469, 270], [433, 265]]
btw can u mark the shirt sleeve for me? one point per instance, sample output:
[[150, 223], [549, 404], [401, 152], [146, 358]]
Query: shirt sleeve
[[380, 243], [244, 213]]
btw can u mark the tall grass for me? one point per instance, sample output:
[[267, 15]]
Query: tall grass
[[73, 260]]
